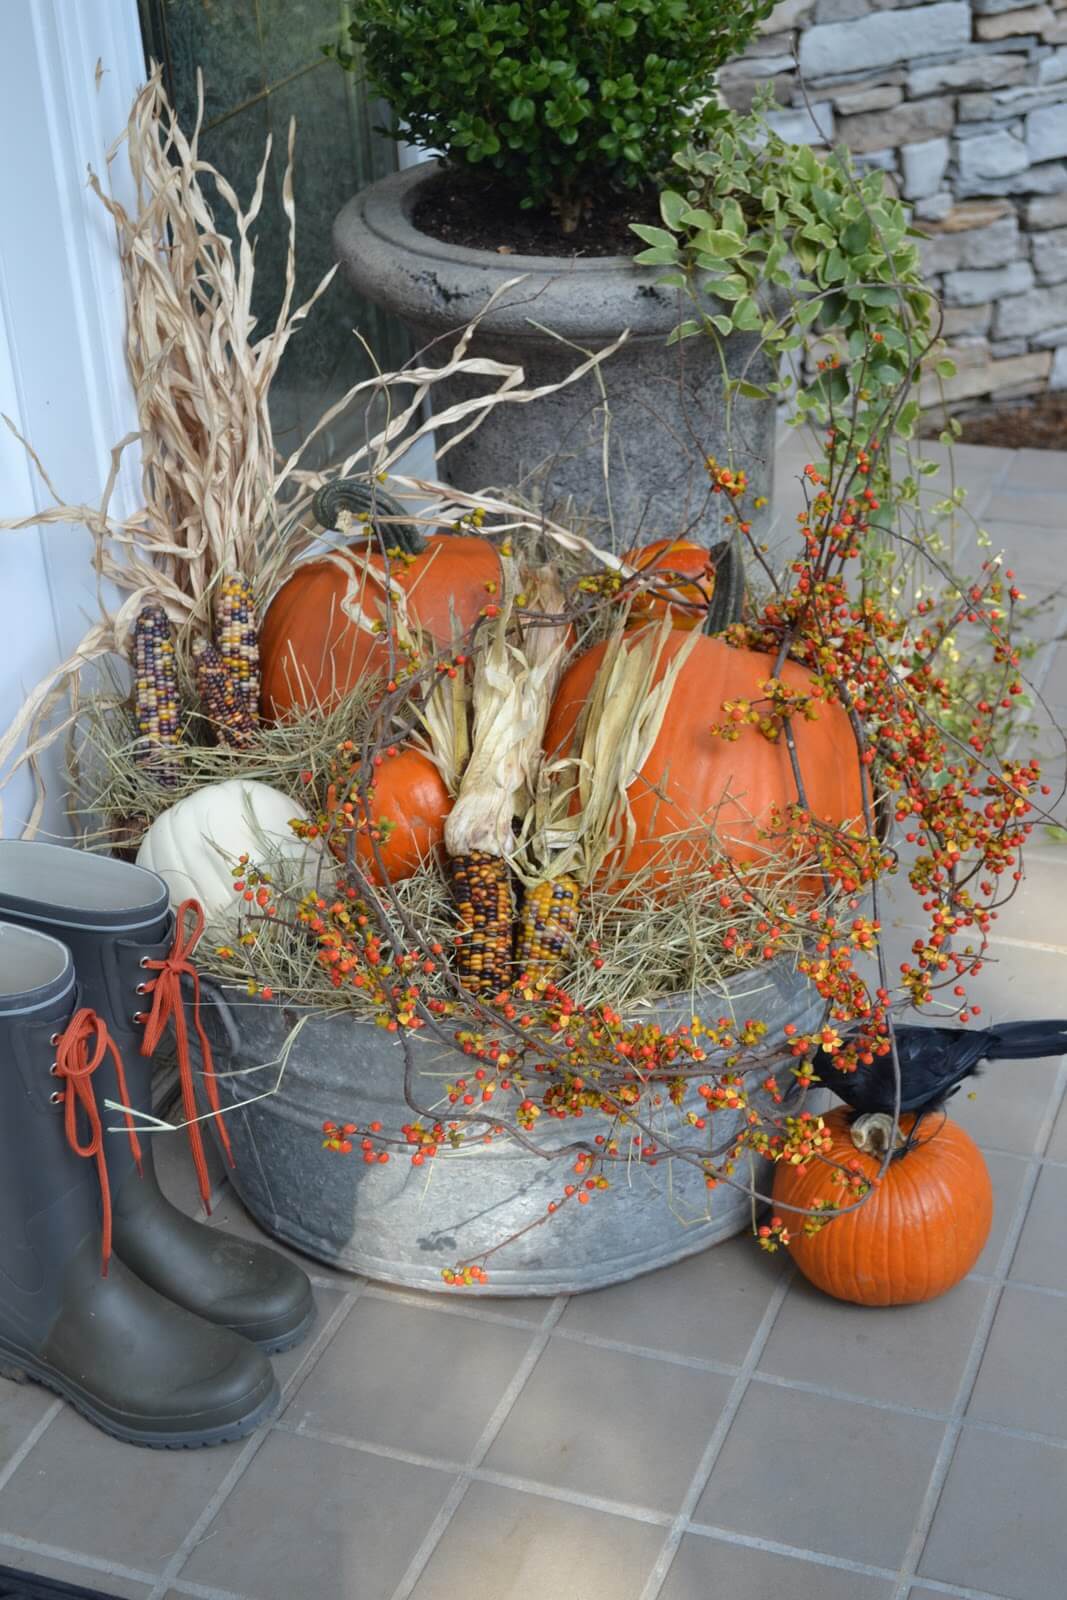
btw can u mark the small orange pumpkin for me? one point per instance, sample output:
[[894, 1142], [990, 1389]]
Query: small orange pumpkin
[[325, 627], [409, 795], [666, 561], [919, 1231]]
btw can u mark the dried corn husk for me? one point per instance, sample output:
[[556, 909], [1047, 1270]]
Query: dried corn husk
[[619, 725], [512, 695]]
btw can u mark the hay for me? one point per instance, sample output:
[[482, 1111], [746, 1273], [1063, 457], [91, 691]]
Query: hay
[[114, 797], [284, 958], [633, 945], [640, 944]]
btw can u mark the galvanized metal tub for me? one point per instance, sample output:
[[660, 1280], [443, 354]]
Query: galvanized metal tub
[[404, 1224]]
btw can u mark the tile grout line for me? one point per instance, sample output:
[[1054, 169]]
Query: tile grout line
[[670, 1358], [204, 1591], [658, 1576], [536, 1486], [501, 1480], [572, 1497], [474, 1310], [454, 1498], [838, 1563], [826, 1392], [248, 1452], [455, 1304], [697, 1364], [952, 1591], [1018, 1155], [950, 1442], [74, 1558], [39, 1429], [477, 1309], [1019, 1283], [777, 1547]]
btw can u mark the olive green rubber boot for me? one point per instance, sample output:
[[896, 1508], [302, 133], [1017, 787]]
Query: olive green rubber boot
[[116, 921], [84, 1325]]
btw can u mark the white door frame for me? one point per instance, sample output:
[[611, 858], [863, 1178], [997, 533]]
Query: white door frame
[[69, 70]]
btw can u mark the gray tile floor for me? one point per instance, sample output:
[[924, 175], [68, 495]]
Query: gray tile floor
[[715, 1429]]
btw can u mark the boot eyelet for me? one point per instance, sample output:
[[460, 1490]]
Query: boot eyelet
[[54, 1069], [143, 963], [54, 1040], [139, 1016], [140, 989], [56, 1098]]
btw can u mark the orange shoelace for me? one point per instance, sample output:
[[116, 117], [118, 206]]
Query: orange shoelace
[[168, 1004], [75, 1064]]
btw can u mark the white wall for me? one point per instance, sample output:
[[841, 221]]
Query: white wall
[[68, 72]]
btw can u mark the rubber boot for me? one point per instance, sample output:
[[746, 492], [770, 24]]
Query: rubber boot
[[71, 1318], [115, 918]]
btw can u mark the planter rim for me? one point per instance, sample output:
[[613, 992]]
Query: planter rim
[[393, 263]]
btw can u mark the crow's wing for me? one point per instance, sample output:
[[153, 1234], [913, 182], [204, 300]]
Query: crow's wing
[[935, 1061], [1021, 1041], [932, 1062]]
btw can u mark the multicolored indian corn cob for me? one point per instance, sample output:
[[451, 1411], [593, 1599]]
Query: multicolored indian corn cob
[[233, 722], [548, 926], [155, 691], [480, 884], [238, 642]]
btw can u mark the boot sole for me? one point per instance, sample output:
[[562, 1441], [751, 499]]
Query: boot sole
[[276, 1344], [20, 1367]]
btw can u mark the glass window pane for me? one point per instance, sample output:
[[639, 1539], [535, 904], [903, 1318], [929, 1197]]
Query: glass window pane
[[262, 63]]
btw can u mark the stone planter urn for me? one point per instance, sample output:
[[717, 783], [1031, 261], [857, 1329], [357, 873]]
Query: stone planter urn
[[403, 1224], [664, 406]]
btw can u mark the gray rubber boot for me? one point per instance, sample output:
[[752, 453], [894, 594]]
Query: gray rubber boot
[[138, 1366], [115, 919]]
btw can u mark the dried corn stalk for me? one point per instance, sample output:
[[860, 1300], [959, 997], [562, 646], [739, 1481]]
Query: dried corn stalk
[[217, 498]]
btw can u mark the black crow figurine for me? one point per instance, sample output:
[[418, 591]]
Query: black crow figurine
[[933, 1064]]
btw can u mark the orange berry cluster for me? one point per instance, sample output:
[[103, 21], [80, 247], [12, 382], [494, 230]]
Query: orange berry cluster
[[642, 1093]]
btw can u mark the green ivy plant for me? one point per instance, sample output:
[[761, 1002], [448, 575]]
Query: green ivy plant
[[776, 240], [818, 264], [559, 99]]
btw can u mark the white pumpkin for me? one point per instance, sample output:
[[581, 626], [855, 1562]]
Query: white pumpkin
[[194, 845]]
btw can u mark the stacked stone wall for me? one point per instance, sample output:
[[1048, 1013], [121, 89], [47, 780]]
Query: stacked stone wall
[[963, 103]]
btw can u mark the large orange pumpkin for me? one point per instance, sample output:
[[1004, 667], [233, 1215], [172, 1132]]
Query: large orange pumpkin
[[318, 637], [695, 780], [919, 1231], [409, 795], [666, 561]]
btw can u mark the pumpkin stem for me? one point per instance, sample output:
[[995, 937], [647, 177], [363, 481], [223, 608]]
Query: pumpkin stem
[[874, 1133], [368, 500], [727, 601]]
